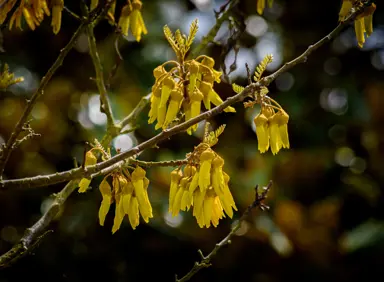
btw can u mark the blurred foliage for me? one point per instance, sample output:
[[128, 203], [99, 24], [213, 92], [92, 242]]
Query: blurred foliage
[[327, 217]]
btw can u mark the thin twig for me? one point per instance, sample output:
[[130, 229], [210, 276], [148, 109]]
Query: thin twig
[[136, 111], [32, 235], [104, 101], [173, 163], [214, 30], [9, 146], [206, 260]]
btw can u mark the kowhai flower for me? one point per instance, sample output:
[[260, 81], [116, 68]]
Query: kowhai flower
[[363, 22], [129, 192], [33, 12], [203, 185], [271, 123], [260, 6], [185, 86], [131, 17]]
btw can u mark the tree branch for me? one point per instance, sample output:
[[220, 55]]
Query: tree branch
[[9, 146], [45, 180], [225, 12], [104, 102], [33, 235], [206, 260]]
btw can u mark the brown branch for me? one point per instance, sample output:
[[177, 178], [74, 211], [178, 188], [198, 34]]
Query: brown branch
[[9, 146], [206, 260], [225, 12], [104, 102], [131, 118], [45, 180], [33, 235]]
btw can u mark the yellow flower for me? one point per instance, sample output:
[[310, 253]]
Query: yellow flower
[[202, 184], [272, 130], [57, 8], [261, 6], [90, 159], [131, 18], [363, 22], [190, 82], [130, 196]]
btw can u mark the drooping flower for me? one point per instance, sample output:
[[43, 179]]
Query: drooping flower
[[131, 17], [271, 122], [183, 87], [90, 159], [363, 22], [203, 185], [261, 6], [129, 192]]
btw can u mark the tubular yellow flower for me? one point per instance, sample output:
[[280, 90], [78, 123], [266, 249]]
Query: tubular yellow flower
[[119, 183], [106, 193], [166, 88], [282, 121], [174, 105], [206, 158], [196, 99], [176, 175], [155, 102], [212, 96], [260, 6], [90, 159], [123, 23], [261, 123], [57, 8], [193, 75], [359, 31], [274, 134], [137, 23], [346, 7], [145, 207]]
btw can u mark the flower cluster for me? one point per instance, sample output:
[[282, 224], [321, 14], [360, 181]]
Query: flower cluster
[[272, 121], [363, 22], [186, 85], [129, 192], [33, 12], [130, 17], [202, 184]]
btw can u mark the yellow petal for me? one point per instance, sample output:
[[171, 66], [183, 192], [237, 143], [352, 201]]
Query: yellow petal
[[194, 183], [274, 135], [123, 23], [104, 209], [208, 205], [260, 6], [359, 30], [118, 218], [174, 106], [176, 175], [133, 214], [346, 7], [177, 203], [206, 158], [84, 184]]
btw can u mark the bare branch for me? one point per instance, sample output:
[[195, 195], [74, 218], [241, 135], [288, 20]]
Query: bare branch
[[226, 10], [104, 102], [206, 260], [33, 235], [9, 146]]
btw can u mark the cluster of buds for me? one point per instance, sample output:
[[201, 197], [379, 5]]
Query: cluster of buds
[[203, 185], [129, 192], [185, 86], [363, 22], [33, 11], [131, 17]]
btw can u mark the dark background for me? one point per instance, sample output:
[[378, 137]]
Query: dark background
[[326, 217]]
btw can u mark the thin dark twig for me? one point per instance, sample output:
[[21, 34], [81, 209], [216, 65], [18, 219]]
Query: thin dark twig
[[206, 260]]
